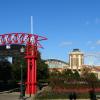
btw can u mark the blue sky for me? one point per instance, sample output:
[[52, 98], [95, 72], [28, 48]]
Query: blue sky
[[67, 24]]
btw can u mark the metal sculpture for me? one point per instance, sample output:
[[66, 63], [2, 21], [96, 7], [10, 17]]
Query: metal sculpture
[[32, 44]]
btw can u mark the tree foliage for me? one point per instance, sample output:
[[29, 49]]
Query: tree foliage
[[42, 69], [55, 74], [16, 68], [5, 70], [13, 71], [68, 74], [76, 75]]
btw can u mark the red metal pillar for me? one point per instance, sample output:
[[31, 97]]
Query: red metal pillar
[[34, 70], [33, 77], [28, 77], [31, 56]]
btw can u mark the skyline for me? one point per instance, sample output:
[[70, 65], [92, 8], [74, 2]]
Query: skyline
[[67, 24]]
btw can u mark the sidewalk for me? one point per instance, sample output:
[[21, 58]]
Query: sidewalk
[[12, 96], [16, 95]]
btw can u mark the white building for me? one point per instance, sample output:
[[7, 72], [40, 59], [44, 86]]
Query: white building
[[76, 59]]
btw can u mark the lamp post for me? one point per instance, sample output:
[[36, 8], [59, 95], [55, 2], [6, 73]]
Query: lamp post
[[21, 81]]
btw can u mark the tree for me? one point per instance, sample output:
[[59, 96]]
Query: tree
[[42, 69], [91, 78], [76, 75], [16, 68], [55, 74], [5, 70], [67, 74]]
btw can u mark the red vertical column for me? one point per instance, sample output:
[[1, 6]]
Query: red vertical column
[[29, 69], [32, 55], [35, 71], [35, 68], [33, 78], [28, 77]]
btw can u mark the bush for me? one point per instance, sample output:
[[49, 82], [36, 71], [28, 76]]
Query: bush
[[60, 95]]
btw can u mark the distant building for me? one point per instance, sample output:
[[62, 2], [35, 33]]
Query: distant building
[[11, 53], [96, 71], [55, 64], [76, 59]]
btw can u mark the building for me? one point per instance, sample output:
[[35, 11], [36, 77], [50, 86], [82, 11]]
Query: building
[[11, 53], [76, 59], [55, 64], [76, 62], [96, 71]]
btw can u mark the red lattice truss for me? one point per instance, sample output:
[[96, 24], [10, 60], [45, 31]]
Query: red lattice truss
[[20, 38]]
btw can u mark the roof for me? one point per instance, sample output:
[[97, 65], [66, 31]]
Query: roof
[[96, 68], [56, 60], [76, 51]]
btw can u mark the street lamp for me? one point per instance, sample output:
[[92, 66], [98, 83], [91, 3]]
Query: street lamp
[[7, 46], [21, 81]]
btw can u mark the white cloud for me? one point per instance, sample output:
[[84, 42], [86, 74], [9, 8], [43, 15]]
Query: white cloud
[[66, 43], [98, 42]]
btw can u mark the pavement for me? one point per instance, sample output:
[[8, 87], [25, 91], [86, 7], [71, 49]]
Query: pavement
[[16, 96], [13, 96]]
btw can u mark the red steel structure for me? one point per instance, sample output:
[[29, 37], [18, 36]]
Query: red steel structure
[[32, 44]]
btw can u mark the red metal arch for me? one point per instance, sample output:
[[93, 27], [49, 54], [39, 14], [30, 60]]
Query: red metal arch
[[20, 38], [32, 44]]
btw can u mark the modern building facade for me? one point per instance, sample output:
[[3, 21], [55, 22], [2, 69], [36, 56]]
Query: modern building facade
[[76, 59]]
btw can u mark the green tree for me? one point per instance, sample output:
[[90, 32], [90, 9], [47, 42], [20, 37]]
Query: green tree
[[16, 68], [67, 74], [91, 79], [55, 74], [42, 69], [76, 75], [5, 71]]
